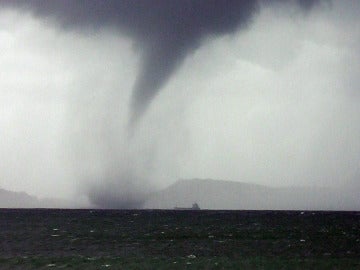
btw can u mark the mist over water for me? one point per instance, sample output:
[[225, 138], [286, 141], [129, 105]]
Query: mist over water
[[138, 113]]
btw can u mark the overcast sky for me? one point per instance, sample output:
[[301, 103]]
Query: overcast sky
[[274, 102]]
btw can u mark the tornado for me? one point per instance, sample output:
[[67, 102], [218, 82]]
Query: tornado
[[164, 33]]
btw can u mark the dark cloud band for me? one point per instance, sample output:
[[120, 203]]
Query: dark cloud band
[[166, 31]]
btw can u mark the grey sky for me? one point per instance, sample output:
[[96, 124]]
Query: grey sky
[[274, 103]]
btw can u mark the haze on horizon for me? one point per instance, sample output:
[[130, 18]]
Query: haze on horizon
[[95, 107]]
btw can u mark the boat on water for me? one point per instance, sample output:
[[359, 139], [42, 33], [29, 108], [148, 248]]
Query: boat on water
[[195, 206]]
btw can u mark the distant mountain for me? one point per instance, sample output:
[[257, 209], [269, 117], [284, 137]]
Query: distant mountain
[[218, 194], [11, 199]]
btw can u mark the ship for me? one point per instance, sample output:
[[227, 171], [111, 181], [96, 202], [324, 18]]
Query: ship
[[195, 206]]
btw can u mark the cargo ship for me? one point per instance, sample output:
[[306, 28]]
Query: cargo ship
[[195, 206]]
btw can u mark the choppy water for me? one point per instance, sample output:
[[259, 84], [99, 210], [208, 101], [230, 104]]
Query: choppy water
[[139, 233]]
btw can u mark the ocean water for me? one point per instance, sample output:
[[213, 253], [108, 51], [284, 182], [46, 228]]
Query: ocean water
[[169, 235]]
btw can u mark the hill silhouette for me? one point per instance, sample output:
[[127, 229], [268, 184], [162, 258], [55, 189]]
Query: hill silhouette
[[219, 194]]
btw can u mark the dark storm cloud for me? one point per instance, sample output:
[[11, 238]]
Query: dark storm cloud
[[166, 31]]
